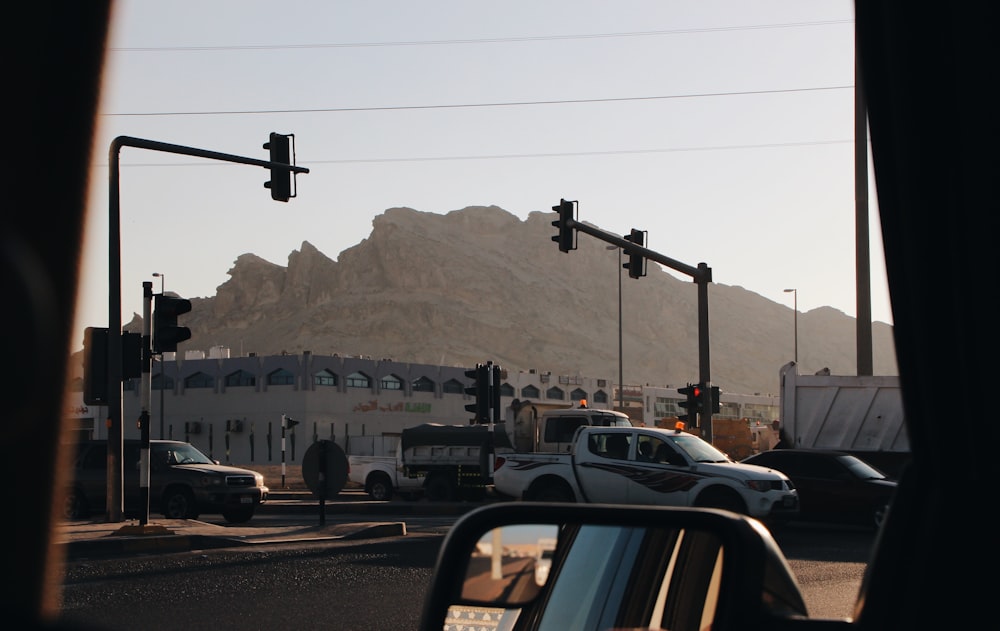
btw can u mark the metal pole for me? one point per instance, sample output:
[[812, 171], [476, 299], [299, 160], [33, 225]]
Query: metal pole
[[144, 396], [162, 376], [621, 376], [795, 320]]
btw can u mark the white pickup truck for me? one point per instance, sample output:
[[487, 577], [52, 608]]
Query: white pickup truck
[[646, 465]]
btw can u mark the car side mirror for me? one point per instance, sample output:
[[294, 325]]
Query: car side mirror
[[572, 566]]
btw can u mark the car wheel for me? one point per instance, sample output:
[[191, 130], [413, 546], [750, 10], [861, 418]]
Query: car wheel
[[440, 488], [379, 487], [239, 515], [723, 498], [178, 503], [551, 491]]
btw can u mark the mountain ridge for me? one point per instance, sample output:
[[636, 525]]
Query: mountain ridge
[[480, 284]]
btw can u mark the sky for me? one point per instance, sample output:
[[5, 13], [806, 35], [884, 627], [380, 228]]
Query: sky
[[722, 128]]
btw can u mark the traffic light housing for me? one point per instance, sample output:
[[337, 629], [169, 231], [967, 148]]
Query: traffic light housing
[[95, 362], [280, 183], [691, 403], [166, 333], [716, 406], [480, 391], [495, 392], [565, 235], [95, 365], [636, 262]]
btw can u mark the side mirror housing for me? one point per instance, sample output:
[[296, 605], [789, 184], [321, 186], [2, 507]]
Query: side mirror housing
[[610, 566]]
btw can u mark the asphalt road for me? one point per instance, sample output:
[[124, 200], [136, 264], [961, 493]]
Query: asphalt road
[[360, 584]]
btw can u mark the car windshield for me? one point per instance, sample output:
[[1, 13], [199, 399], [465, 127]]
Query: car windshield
[[698, 449], [181, 454], [861, 469]]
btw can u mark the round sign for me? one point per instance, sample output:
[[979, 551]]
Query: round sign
[[324, 468]]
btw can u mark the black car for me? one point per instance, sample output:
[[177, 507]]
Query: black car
[[833, 486], [183, 482]]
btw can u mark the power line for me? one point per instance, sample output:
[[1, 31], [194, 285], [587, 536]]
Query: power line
[[489, 40], [511, 156], [476, 105]]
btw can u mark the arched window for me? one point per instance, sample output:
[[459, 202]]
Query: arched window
[[530, 392], [555, 393], [199, 380], [453, 386], [423, 385], [240, 378], [166, 380], [506, 390], [281, 377], [600, 396], [325, 378], [578, 395], [358, 380], [391, 382]]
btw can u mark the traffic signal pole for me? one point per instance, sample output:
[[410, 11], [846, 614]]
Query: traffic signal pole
[[700, 275], [114, 505], [145, 394]]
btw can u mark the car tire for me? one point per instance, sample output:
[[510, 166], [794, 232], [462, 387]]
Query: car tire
[[722, 498], [550, 491], [239, 515], [178, 503], [440, 488], [379, 487]]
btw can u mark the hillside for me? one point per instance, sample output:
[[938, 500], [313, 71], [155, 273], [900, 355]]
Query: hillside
[[479, 283]]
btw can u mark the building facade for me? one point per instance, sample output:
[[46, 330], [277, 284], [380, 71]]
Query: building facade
[[232, 408]]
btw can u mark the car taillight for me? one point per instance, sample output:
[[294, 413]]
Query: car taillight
[[498, 462]]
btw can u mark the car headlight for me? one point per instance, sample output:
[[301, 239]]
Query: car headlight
[[258, 479], [759, 485], [211, 480]]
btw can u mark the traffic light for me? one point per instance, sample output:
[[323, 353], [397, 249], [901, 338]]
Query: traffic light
[[480, 390], [95, 366], [131, 355], [691, 403], [281, 179], [95, 362], [565, 236], [635, 265], [716, 406], [166, 334], [495, 393]]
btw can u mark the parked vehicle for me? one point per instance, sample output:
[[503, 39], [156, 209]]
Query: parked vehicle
[[833, 486], [183, 482], [646, 465], [381, 478]]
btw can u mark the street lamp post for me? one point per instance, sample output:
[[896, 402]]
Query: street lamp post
[[162, 278], [621, 389], [795, 306]]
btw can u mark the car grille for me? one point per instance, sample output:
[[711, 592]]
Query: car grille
[[240, 480]]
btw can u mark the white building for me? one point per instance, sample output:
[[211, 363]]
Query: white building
[[232, 407]]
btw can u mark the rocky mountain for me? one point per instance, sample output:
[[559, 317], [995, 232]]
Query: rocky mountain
[[480, 284]]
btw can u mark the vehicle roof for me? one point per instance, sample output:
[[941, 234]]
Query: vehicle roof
[[824, 452], [578, 411]]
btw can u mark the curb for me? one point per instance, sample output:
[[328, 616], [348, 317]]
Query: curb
[[125, 545]]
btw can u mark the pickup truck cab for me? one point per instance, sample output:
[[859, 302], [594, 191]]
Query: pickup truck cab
[[645, 465]]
